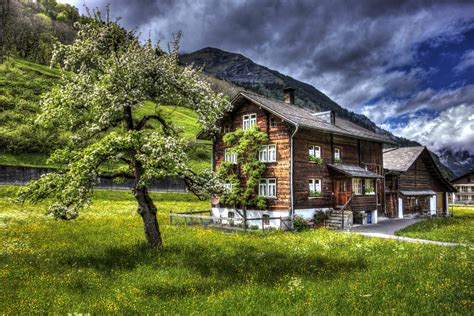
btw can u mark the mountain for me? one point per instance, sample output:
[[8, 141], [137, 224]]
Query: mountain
[[460, 162], [241, 71]]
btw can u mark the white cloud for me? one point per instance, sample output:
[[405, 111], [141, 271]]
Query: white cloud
[[467, 61], [453, 129], [427, 99]]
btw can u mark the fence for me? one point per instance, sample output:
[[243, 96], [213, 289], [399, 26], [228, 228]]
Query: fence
[[13, 175], [226, 223]]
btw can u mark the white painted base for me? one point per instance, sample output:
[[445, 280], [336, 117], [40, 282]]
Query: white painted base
[[308, 213], [251, 214]]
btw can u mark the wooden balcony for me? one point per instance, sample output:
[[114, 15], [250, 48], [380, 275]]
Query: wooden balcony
[[363, 202]]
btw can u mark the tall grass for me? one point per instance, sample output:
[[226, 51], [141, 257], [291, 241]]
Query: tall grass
[[99, 264]]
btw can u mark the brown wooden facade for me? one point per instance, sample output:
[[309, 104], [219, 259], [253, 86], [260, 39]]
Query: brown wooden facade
[[353, 151], [415, 187]]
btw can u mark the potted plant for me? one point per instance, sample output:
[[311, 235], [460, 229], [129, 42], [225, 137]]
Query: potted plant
[[315, 194], [315, 159], [369, 191]]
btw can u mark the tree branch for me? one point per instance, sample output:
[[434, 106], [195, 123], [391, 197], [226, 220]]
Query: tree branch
[[167, 128]]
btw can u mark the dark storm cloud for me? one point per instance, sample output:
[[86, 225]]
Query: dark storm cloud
[[354, 51]]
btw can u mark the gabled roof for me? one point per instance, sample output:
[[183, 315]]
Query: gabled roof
[[354, 171], [470, 173], [304, 118], [402, 158]]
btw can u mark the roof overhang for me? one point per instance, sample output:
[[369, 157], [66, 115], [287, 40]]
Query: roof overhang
[[418, 193], [354, 171]]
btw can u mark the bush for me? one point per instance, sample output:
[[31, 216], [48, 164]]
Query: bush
[[300, 224]]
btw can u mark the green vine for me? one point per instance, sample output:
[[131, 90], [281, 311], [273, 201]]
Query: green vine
[[315, 159], [245, 176]]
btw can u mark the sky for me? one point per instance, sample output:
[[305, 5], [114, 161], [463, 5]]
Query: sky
[[407, 65]]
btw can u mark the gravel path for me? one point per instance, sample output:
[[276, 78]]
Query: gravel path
[[387, 227]]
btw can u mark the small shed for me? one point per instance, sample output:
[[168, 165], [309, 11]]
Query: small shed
[[413, 183]]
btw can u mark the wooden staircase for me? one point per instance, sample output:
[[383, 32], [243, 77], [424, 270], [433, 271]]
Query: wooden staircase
[[340, 217], [335, 219]]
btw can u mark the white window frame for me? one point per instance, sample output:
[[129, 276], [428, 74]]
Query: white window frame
[[314, 185], [248, 121], [357, 186], [230, 156], [268, 153], [337, 154], [267, 187], [314, 150]]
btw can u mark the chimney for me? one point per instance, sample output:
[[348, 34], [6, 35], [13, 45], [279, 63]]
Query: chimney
[[289, 95]]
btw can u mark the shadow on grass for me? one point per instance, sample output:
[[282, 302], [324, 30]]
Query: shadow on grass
[[237, 265]]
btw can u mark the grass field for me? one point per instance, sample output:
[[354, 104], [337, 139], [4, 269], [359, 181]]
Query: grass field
[[98, 264], [459, 228], [22, 143]]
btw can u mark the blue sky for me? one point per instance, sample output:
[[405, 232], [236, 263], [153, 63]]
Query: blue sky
[[407, 65]]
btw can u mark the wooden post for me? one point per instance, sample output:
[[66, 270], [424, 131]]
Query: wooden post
[[222, 224], [263, 224], [171, 219]]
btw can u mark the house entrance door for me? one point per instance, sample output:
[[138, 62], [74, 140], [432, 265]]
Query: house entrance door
[[341, 192]]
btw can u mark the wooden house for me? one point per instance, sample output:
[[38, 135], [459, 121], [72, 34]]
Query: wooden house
[[315, 161], [413, 183], [465, 189]]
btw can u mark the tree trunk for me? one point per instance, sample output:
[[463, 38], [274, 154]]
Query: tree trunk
[[147, 211]]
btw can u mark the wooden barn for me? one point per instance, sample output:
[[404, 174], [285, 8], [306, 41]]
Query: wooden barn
[[413, 183], [315, 161]]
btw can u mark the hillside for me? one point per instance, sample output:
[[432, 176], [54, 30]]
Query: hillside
[[243, 72], [22, 142]]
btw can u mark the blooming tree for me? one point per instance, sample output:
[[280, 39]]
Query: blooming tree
[[107, 74]]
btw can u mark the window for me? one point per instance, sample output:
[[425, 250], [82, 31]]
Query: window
[[230, 156], [227, 186], [337, 154], [369, 186], [266, 219], [357, 186], [314, 187], [342, 186], [230, 214], [273, 122], [249, 120], [314, 151], [464, 189], [267, 188], [267, 153]]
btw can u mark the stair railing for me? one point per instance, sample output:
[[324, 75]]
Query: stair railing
[[342, 210]]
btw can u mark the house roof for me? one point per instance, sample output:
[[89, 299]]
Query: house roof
[[354, 171], [402, 158], [468, 174], [418, 193], [305, 118]]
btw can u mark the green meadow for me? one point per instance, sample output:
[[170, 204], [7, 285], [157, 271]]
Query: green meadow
[[459, 228], [99, 264]]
